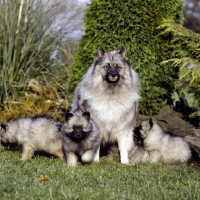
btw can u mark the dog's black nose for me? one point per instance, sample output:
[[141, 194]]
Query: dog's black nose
[[78, 134], [113, 74]]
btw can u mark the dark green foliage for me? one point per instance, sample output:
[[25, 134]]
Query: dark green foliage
[[113, 24], [186, 55]]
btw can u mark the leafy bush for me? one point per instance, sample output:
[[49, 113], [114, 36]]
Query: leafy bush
[[113, 24], [28, 37], [186, 56]]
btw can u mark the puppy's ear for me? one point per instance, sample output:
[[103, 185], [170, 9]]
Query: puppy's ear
[[151, 122], [100, 53], [123, 53], [68, 116], [4, 126], [86, 115]]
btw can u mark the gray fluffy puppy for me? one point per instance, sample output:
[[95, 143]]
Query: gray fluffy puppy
[[80, 137], [39, 133], [171, 149]]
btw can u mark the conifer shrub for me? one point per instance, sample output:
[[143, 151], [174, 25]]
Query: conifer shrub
[[132, 24], [185, 55]]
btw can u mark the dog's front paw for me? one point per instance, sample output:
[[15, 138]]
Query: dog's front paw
[[125, 163], [70, 164], [72, 160]]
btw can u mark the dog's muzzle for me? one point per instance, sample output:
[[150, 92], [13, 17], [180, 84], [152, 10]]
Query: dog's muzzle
[[112, 75]]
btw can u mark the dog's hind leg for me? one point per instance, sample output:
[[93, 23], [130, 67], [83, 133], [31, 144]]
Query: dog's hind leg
[[155, 156], [59, 153], [88, 156], [27, 152]]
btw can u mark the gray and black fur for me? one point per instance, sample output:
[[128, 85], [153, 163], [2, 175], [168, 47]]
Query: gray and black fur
[[80, 138], [137, 154], [170, 148], [34, 134], [110, 92]]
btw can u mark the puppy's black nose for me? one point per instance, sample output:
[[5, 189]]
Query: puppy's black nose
[[78, 134]]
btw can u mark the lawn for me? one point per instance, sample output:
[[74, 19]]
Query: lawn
[[105, 180]]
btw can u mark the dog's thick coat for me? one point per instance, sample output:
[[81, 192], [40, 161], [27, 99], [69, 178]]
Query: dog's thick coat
[[40, 133], [172, 149], [137, 154], [81, 138], [110, 92]]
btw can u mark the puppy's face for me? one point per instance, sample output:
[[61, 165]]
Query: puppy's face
[[146, 127], [77, 126], [77, 133]]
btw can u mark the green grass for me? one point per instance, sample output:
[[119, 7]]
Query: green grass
[[104, 180]]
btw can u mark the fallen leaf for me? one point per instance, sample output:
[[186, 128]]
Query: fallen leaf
[[42, 178]]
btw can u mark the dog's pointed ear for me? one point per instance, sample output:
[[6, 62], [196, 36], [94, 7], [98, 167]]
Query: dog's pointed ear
[[123, 53], [151, 122], [4, 126], [86, 115], [100, 53], [68, 116]]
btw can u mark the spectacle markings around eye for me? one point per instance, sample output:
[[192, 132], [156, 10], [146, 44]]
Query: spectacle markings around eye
[[81, 127], [107, 66], [118, 66]]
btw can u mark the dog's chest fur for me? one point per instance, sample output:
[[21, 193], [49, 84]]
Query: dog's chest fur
[[109, 111]]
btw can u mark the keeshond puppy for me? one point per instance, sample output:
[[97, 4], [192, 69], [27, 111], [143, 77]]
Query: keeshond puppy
[[110, 92], [80, 138], [34, 134], [171, 149]]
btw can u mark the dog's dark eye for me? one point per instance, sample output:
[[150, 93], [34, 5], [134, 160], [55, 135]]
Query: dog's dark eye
[[118, 66], [107, 66]]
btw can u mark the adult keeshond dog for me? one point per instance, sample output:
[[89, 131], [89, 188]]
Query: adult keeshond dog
[[171, 149], [110, 92], [34, 134], [80, 138]]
